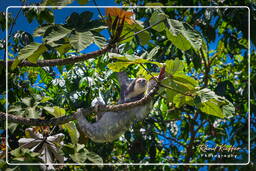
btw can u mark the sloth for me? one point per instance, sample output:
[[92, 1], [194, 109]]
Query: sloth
[[111, 125]]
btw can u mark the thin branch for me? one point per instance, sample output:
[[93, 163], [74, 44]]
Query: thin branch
[[213, 58], [173, 139], [90, 110], [192, 139], [168, 87], [162, 85], [200, 126], [10, 32], [16, 17], [71, 60], [102, 18], [148, 72], [207, 69], [124, 38]]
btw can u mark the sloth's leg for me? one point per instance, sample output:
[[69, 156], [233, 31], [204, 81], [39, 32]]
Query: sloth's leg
[[86, 127]]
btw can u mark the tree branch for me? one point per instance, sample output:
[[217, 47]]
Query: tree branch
[[71, 60], [11, 28], [90, 110], [206, 67], [193, 136], [173, 139]]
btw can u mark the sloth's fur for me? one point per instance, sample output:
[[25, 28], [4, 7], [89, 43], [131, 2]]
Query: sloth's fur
[[112, 125]]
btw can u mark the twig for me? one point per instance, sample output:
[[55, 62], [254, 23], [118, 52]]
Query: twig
[[168, 87], [124, 38], [16, 17], [162, 85], [149, 72], [207, 69], [191, 143], [200, 126], [102, 18], [173, 139], [10, 32]]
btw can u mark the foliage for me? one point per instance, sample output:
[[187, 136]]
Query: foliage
[[202, 100]]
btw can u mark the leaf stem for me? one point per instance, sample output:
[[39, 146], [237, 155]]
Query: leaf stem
[[124, 38]]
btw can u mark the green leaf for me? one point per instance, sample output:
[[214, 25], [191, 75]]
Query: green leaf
[[82, 2], [45, 99], [72, 131], [179, 100], [99, 40], [56, 2], [26, 101], [85, 17], [63, 48], [79, 157], [153, 52], [163, 106], [55, 111], [228, 109], [118, 66], [15, 63], [144, 36], [154, 4], [174, 66], [40, 31], [157, 17], [32, 113], [170, 94], [95, 158], [211, 107], [58, 111], [179, 41], [207, 101], [128, 31], [73, 20], [49, 109], [182, 35], [58, 32], [179, 87], [206, 94], [80, 147], [81, 40], [31, 52], [133, 59], [34, 57], [174, 88], [185, 80], [122, 57]]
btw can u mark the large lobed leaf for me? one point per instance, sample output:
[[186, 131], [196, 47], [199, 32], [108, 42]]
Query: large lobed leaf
[[181, 34], [210, 103], [31, 52], [70, 127], [126, 60], [183, 90]]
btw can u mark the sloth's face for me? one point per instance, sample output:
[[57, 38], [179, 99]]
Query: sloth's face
[[141, 83], [140, 86]]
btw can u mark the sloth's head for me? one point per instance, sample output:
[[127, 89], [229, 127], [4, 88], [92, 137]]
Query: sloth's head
[[140, 85], [136, 89]]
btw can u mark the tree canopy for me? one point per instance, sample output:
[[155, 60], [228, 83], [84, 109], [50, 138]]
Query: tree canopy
[[59, 59]]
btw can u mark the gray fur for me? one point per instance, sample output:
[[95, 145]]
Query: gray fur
[[112, 124]]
